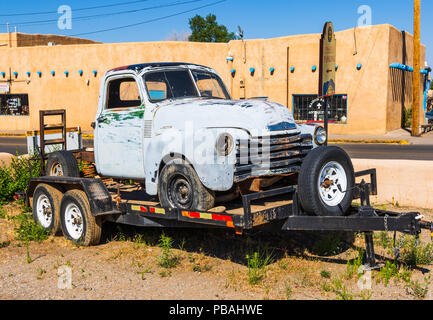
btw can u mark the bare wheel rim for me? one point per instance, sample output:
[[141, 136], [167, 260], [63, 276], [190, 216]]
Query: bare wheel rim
[[74, 221], [56, 170], [332, 183], [44, 211], [180, 192]]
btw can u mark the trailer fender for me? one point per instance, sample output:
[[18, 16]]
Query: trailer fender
[[99, 198]]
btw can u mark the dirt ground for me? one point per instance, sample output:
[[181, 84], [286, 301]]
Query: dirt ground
[[212, 264]]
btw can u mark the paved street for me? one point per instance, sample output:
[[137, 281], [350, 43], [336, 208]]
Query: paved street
[[382, 151], [13, 145], [357, 151]]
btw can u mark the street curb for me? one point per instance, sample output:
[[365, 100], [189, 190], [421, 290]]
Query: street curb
[[13, 135], [369, 141]]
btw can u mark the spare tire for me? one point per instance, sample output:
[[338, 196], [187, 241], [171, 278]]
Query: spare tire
[[326, 181], [62, 163]]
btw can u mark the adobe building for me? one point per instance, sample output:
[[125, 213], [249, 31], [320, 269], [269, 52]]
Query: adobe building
[[373, 78]]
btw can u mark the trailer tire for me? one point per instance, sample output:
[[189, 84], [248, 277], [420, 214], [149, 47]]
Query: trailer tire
[[62, 163], [46, 208], [180, 187], [78, 223], [326, 182]]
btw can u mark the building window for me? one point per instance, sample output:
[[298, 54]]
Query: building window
[[14, 104], [308, 108]]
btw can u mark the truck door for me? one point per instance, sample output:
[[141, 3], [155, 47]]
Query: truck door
[[119, 129]]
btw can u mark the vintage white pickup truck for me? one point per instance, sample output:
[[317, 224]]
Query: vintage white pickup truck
[[174, 128]]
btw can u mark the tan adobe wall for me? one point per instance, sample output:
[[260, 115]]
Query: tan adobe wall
[[371, 108]]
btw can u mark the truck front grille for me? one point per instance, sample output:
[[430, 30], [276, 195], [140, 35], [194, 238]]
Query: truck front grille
[[270, 155]]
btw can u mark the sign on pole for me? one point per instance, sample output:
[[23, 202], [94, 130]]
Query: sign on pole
[[328, 55], [328, 59], [4, 88]]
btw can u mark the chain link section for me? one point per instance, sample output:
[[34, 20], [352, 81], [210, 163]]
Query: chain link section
[[400, 245]]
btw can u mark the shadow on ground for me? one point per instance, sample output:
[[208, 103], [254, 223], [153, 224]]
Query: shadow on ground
[[224, 244]]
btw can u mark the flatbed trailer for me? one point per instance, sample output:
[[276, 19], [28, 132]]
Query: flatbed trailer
[[276, 208]]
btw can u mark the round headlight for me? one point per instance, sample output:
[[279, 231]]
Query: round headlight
[[320, 136], [224, 144]]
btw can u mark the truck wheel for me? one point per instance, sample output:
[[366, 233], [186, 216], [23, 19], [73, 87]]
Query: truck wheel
[[46, 208], [62, 163], [180, 187], [326, 182], [78, 223]]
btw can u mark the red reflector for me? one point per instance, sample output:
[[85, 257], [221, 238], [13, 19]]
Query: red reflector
[[221, 217], [194, 214]]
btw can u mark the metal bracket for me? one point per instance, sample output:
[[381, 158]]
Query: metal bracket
[[247, 198]]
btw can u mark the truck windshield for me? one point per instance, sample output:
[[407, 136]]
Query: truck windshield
[[210, 85], [177, 84]]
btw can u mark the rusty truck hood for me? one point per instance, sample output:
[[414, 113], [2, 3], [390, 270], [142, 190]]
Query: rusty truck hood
[[217, 113]]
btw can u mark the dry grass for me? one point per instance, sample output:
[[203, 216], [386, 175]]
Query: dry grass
[[128, 256]]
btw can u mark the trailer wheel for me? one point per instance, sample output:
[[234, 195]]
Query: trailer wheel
[[62, 163], [46, 208], [78, 223], [326, 182], [180, 187]]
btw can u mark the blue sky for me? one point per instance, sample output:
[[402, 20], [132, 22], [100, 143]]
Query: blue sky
[[259, 19]]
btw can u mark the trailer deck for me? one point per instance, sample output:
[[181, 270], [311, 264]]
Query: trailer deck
[[278, 208]]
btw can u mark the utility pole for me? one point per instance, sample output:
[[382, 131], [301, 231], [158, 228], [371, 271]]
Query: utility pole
[[416, 68], [9, 35]]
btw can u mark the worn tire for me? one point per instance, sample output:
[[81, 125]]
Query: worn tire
[[180, 187], [62, 163], [87, 230], [46, 196], [329, 201]]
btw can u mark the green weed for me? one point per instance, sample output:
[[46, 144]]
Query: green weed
[[4, 244], [417, 289], [256, 267], [2, 213], [325, 286], [343, 293], [27, 230], [28, 258], [164, 273], [415, 254], [387, 272], [283, 264], [325, 274], [384, 240], [41, 272], [288, 290], [167, 259], [352, 267], [366, 294], [328, 244], [15, 177]]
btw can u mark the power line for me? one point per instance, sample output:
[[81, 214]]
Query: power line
[[43, 22], [147, 21], [79, 9]]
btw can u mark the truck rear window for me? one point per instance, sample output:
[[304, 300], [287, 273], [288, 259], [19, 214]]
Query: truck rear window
[[123, 93]]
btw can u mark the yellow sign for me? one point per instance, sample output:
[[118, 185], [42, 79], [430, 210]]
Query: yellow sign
[[328, 55]]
